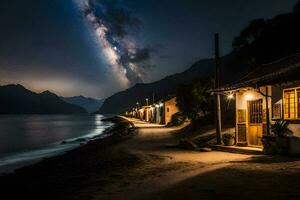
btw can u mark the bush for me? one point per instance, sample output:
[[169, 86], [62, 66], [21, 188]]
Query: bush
[[280, 129], [177, 119], [194, 101]]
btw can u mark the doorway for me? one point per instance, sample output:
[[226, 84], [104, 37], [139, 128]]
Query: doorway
[[255, 122]]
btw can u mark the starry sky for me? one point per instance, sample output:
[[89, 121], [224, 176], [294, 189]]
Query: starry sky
[[98, 47]]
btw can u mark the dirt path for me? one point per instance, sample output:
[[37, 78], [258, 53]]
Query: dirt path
[[161, 168]]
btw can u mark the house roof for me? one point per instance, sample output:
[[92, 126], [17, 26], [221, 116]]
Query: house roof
[[285, 70]]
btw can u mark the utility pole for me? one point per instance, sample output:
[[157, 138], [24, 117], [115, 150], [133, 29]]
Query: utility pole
[[267, 111], [153, 98], [217, 85]]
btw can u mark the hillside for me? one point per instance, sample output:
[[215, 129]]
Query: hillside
[[262, 41], [15, 99], [91, 105], [125, 100]]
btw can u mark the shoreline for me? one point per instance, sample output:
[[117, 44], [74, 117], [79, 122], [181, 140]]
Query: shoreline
[[78, 163], [11, 162]]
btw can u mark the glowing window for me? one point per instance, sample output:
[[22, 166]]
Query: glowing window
[[291, 105], [255, 111]]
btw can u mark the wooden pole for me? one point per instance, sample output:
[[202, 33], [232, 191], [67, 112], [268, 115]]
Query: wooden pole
[[217, 85], [267, 111]]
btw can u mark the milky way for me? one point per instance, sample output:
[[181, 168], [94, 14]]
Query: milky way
[[109, 24]]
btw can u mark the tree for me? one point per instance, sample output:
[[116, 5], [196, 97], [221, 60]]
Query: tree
[[194, 101], [266, 40]]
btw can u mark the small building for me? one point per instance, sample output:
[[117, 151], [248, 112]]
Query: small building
[[159, 113], [169, 109], [270, 92]]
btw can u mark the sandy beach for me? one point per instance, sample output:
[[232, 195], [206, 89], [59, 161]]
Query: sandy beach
[[133, 163]]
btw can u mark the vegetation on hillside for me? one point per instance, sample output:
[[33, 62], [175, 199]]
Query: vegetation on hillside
[[195, 102], [266, 40]]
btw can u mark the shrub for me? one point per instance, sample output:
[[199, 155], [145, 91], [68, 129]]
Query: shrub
[[280, 129], [177, 119]]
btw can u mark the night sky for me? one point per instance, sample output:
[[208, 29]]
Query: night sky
[[98, 47]]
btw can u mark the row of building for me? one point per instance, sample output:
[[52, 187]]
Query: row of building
[[269, 93], [160, 113]]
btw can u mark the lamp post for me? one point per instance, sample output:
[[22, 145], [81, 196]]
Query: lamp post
[[147, 101]]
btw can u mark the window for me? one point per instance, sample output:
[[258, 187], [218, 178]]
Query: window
[[241, 115], [298, 102], [291, 103], [277, 110], [168, 110], [255, 111]]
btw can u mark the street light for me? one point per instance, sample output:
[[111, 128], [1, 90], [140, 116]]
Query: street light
[[147, 100]]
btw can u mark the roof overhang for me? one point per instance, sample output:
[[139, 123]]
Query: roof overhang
[[286, 75]]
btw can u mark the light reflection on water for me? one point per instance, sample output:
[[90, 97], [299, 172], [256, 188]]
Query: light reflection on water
[[24, 137]]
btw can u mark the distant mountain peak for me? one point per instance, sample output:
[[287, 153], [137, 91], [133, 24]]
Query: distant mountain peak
[[89, 103], [16, 99]]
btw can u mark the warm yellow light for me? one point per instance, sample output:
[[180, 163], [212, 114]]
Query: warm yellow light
[[249, 96], [230, 96]]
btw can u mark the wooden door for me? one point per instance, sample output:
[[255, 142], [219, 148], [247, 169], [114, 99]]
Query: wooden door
[[255, 122]]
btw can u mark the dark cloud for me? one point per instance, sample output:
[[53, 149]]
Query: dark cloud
[[117, 18], [119, 23]]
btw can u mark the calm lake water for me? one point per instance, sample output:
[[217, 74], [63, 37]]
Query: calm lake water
[[27, 138]]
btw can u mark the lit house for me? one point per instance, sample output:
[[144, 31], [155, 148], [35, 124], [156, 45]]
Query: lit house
[[169, 109], [160, 113], [270, 92]]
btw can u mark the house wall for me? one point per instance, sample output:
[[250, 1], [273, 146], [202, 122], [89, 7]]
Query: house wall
[[242, 97], [245, 95], [277, 95], [170, 109]]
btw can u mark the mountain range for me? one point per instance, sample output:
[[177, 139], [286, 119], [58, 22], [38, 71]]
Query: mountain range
[[91, 105], [16, 99], [232, 67]]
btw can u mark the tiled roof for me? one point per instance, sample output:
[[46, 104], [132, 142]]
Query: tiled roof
[[282, 71]]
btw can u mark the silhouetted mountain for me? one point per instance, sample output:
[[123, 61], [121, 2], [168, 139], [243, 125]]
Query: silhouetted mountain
[[233, 66], [15, 99], [89, 104], [125, 100], [262, 41]]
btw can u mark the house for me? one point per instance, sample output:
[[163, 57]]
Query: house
[[160, 113], [270, 92], [169, 109]]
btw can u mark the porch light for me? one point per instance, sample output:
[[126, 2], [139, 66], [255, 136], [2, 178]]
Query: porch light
[[249, 96], [230, 96]]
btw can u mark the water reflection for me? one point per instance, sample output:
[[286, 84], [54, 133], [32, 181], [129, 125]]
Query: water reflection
[[25, 133]]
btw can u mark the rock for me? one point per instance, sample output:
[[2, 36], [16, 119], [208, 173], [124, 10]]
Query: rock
[[188, 144], [205, 149], [171, 145]]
